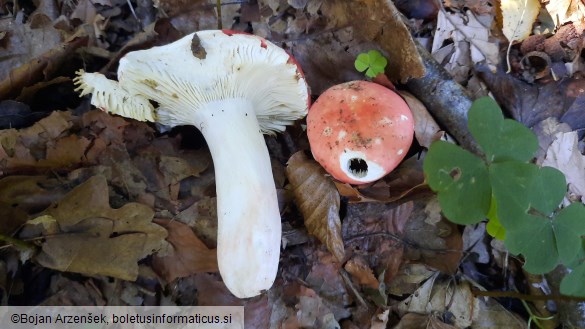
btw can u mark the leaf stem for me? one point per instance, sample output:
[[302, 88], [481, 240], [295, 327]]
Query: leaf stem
[[19, 244]]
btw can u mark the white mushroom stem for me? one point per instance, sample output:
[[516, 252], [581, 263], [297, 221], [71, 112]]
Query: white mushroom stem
[[249, 229]]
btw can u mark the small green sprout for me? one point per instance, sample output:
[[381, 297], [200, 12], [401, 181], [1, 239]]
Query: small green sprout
[[373, 63]]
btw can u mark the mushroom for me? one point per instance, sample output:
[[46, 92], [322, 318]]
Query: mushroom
[[233, 87], [359, 131]]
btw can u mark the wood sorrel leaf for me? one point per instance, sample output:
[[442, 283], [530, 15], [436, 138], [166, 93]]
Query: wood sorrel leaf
[[573, 284], [500, 139], [461, 181], [569, 228], [527, 197], [525, 189]]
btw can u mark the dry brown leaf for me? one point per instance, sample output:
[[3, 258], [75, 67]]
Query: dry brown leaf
[[158, 33], [375, 231], [95, 239], [468, 42], [67, 292], [326, 280], [528, 103], [361, 272], [189, 254], [479, 7], [434, 241], [413, 321], [409, 278], [30, 194], [175, 169], [201, 216], [40, 66], [426, 129], [312, 312], [65, 152], [565, 11], [422, 321], [43, 145], [211, 291], [440, 296], [318, 200], [84, 11]]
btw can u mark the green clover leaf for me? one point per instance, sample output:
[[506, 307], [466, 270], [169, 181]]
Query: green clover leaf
[[573, 284], [373, 63], [501, 139], [461, 181]]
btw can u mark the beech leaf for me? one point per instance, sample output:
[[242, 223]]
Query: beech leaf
[[318, 200], [190, 255]]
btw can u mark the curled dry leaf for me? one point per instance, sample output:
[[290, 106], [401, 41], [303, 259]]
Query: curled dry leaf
[[94, 239], [565, 11], [318, 200], [440, 296], [42, 65], [472, 43], [189, 255], [361, 272], [426, 129]]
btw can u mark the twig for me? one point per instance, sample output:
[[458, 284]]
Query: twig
[[132, 10], [348, 282], [514, 294], [219, 21]]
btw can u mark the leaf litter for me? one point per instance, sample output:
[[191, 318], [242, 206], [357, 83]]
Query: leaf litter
[[375, 244]]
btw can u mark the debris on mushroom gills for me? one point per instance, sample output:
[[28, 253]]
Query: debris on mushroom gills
[[359, 131]]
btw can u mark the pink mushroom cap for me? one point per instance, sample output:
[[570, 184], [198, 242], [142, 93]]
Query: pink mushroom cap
[[359, 131]]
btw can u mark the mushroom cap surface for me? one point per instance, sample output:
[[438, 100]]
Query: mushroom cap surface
[[209, 66], [359, 131]]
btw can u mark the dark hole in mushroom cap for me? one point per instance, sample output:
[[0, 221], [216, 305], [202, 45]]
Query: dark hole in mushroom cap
[[358, 167]]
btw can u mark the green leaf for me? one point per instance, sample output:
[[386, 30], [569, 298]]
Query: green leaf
[[494, 227], [377, 60], [569, 226], [362, 62], [520, 188], [373, 63], [500, 139], [371, 73], [527, 197], [461, 181], [536, 242], [574, 283]]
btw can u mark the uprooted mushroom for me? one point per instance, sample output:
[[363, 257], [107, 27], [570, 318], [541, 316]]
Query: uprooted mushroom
[[233, 87]]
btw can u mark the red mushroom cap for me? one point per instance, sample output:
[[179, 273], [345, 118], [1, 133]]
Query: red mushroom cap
[[359, 131]]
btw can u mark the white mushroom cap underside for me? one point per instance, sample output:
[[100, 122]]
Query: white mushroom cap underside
[[236, 66]]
